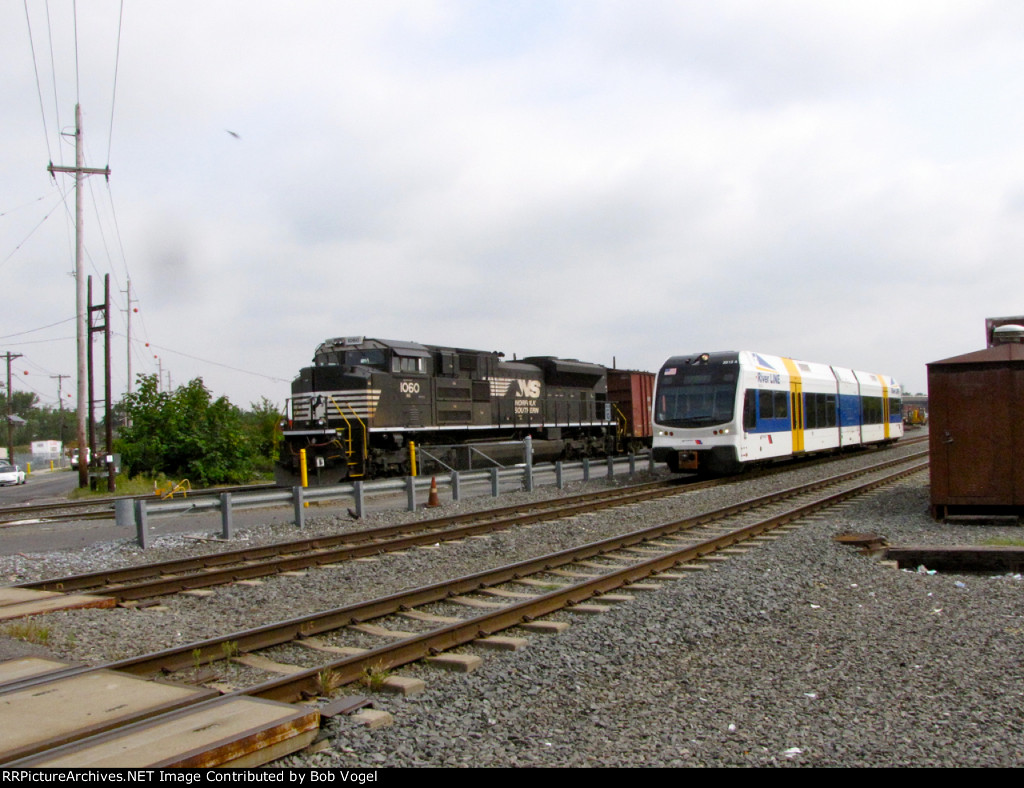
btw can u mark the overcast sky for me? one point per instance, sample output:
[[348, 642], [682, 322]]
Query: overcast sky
[[839, 182]]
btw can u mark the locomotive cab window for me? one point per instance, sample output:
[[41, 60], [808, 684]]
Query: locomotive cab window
[[366, 358], [408, 365]]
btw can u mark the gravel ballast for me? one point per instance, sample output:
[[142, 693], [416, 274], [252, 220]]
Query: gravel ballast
[[800, 652]]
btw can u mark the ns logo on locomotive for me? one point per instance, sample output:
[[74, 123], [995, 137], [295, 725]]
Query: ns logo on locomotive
[[721, 412], [354, 411]]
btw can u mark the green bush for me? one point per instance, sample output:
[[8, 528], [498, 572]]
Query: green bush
[[187, 434]]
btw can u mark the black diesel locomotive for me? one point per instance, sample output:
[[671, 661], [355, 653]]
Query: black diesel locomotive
[[363, 400]]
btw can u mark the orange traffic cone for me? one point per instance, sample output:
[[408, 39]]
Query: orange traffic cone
[[432, 501]]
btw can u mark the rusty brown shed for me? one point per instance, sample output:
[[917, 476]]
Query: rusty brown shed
[[976, 432]]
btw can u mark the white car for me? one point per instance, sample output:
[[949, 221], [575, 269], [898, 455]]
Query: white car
[[10, 474]]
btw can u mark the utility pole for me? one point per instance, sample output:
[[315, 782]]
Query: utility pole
[[82, 329], [60, 405], [104, 311], [10, 408], [128, 316]]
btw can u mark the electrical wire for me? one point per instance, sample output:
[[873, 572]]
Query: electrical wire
[[41, 328], [39, 87], [18, 208], [113, 96], [78, 92], [32, 231], [218, 364], [53, 77]]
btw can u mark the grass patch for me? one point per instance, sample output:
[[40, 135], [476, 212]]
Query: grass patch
[[374, 676], [140, 485], [328, 682], [145, 485], [1003, 541], [30, 631]]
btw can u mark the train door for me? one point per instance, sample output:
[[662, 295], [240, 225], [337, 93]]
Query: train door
[[796, 405]]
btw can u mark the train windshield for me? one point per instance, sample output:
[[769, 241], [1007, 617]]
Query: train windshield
[[366, 358], [371, 357], [700, 397]]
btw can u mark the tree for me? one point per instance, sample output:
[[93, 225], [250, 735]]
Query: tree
[[186, 434], [261, 421]]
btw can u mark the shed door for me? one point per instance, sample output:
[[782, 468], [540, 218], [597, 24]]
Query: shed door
[[974, 437]]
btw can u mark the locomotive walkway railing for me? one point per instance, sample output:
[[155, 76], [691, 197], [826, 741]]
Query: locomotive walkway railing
[[526, 476]]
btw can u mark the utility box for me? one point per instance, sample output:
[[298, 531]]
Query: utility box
[[976, 432]]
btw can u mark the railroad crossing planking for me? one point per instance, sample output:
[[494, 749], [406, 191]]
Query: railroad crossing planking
[[20, 602], [108, 719]]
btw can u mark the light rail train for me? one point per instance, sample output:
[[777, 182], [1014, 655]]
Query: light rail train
[[722, 412]]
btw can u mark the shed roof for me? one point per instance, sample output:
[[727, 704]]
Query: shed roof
[[999, 354]]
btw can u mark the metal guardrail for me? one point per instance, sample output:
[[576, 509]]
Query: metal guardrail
[[521, 477]]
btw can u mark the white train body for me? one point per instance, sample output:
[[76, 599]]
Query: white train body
[[720, 412]]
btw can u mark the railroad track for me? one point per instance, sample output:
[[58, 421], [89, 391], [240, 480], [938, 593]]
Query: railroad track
[[103, 508], [339, 645], [173, 576], [581, 572]]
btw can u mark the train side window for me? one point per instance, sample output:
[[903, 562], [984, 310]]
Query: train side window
[[819, 411], [781, 404], [871, 410], [750, 404], [407, 364], [810, 411]]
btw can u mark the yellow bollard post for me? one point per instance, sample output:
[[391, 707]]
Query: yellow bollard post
[[412, 457], [28, 469], [303, 472]]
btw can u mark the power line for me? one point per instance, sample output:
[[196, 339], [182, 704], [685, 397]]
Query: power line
[[32, 231], [53, 75], [78, 95], [218, 364], [41, 328], [113, 96], [39, 87], [19, 207]]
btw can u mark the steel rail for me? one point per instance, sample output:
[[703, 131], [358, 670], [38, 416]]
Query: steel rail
[[332, 549], [200, 499], [310, 683], [203, 652], [170, 577], [307, 684]]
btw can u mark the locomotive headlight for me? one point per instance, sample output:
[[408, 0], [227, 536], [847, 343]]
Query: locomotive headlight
[[321, 422]]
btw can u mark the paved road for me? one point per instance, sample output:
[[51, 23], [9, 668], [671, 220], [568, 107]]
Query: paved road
[[40, 487]]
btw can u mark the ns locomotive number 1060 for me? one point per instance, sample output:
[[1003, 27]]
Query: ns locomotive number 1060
[[356, 409]]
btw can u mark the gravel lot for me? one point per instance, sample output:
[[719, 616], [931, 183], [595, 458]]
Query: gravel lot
[[801, 652]]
